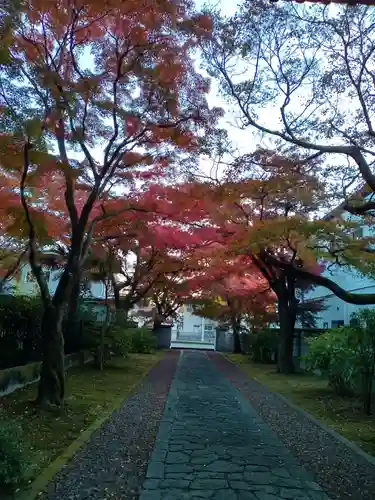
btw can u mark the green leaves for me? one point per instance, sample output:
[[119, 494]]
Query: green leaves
[[347, 354]]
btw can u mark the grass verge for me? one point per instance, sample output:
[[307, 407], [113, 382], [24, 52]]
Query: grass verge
[[91, 394], [344, 415]]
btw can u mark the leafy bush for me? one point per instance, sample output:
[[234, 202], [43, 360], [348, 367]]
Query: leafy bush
[[333, 355], [347, 356], [20, 321], [13, 463], [262, 346], [120, 341], [142, 340], [20, 330]]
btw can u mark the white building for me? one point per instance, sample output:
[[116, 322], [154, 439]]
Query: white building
[[190, 331], [24, 283], [338, 312]]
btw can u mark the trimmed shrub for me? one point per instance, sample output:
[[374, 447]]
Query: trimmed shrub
[[142, 340], [20, 330], [14, 465], [347, 356], [20, 321], [333, 356], [262, 346]]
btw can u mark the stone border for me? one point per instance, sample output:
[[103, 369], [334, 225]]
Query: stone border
[[167, 418], [352, 446], [40, 483]]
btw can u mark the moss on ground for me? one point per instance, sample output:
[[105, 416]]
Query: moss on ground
[[90, 394], [311, 393]]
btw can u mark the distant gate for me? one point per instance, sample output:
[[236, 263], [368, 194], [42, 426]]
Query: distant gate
[[195, 340]]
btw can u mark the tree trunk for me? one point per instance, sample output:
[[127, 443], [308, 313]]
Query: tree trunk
[[116, 293], [74, 300], [367, 395], [103, 333], [51, 387], [237, 347], [285, 363]]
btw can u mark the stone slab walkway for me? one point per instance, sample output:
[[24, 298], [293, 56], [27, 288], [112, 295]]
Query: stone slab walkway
[[212, 444]]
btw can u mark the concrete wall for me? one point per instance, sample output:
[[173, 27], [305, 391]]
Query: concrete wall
[[163, 336], [224, 340], [17, 377]]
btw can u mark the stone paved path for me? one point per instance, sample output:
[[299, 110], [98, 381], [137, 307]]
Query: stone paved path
[[212, 444]]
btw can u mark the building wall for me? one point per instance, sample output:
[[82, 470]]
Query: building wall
[[350, 280], [26, 284], [189, 324]]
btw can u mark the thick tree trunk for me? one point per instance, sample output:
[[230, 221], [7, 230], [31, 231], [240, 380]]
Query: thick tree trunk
[[74, 300], [285, 363], [237, 347], [51, 386], [116, 293]]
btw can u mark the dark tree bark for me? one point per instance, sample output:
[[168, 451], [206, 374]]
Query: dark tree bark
[[285, 288], [74, 300], [285, 362], [116, 293], [237, 346], [51, 388]]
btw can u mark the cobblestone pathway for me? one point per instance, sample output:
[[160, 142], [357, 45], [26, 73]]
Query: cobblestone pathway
[[212, 444]]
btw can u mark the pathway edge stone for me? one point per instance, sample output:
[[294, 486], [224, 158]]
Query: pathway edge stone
[[164, 427], [40, 483]]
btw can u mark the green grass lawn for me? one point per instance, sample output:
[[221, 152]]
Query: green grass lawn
[[344, 415], [90, 394]]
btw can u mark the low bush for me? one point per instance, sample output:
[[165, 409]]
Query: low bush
[[262, 346], [14, 465], [141, 340], [346, 356], [20, 330], [120, 341], [333, 356], [20, 320]]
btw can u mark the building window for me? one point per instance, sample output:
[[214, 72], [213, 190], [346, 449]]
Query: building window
[[337, 323], [325, 326], [358, 233], [189, 308], [208, 328]]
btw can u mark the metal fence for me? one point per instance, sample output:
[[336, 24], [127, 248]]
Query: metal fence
[[208, 337]]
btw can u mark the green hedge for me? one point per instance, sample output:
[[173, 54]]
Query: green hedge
[[346, 356], [141, 340], [262, 346], [20, 330]]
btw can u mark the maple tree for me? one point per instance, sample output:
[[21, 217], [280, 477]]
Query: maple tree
[[305, 65], [265, 209], [348, 2], [94, 96], [227, 295], [170, 292]]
